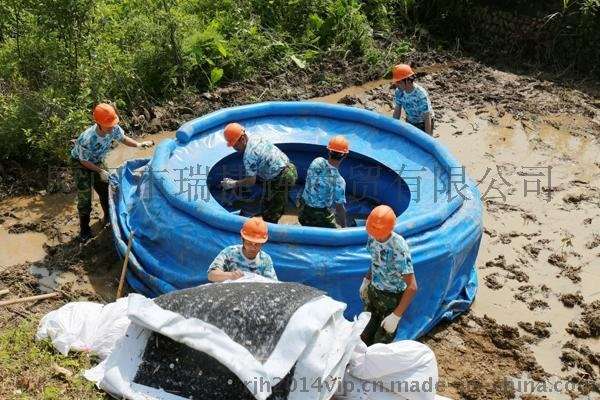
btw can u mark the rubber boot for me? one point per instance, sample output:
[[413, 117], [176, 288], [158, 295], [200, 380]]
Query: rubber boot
[[105, 210], [85, 232], [103, 197]]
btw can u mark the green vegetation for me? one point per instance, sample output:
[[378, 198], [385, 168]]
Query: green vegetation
[[33, 370], [59, 57]]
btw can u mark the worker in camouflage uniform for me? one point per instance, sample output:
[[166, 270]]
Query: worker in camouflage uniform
[[412, 98], [233, 261], [325, 187], [87, 162], [264, 160], [390, 285]]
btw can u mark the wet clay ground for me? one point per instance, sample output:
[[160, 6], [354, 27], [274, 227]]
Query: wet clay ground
[[533, 147]]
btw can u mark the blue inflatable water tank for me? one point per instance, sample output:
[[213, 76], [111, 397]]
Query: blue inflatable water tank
[[182, 220]]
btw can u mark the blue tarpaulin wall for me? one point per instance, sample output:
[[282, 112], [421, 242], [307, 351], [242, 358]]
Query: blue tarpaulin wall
[[182, 221]]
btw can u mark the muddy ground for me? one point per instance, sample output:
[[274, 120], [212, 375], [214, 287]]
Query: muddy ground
[[532, 145]]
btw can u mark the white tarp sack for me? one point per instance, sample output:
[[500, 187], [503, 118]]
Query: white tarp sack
[[318, 348], [403, 370], [239, 340], [85, 326]]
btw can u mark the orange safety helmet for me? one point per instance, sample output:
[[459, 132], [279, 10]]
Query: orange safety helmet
[[233, 132], [401, 72], [339, 144], [255, 230], [105, 115], [380, 222]]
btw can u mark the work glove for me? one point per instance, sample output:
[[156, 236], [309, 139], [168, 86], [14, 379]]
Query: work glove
[[390, 323], [363, 290], [146, 144], [104, 175], [228, 183]]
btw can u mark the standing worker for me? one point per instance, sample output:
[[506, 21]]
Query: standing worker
[[87, 162], [263, 159], [233, 261], [389, 286], [413, 98], [325, 187]]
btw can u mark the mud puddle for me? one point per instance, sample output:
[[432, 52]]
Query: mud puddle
[[122, 153], [48, 280], [352, 93], [26, 226], [529, 227], [38, 238], [20, 248], [39, 249], [98, 285]]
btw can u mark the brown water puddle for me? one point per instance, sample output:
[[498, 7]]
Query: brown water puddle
[[103, 285], [122, 153], [360, 90], [28, 213], [510, 146], [20, 248], [49, 281], [352, 91]]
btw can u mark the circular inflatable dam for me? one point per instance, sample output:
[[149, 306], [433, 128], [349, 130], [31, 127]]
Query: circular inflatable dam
[[181, 218]]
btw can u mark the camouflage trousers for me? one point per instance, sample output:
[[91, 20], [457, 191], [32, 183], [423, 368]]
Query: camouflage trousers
[[85, 180], [380, 304], [421, 125], [311, 216], [275, 193]]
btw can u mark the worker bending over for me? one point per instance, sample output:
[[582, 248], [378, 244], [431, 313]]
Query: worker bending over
[[413, 98], [233, 261], [263, 159], [389, 286], [325, 187], [87, 162]]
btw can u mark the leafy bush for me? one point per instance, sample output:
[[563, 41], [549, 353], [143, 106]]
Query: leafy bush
[[60, 57]]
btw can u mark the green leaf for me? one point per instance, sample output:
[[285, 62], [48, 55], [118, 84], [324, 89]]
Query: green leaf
[[300, 63], [310, 55], [215, 75], [222, 48], [315, 21]]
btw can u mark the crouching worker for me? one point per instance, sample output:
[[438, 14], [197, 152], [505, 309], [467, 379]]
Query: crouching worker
[[389, 286], [233, 261], [413, 98], [87, 162], [263, 159], [325, 187]]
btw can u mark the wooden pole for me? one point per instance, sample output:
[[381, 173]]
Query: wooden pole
[[29, 299], [124, 269], [4, 291]]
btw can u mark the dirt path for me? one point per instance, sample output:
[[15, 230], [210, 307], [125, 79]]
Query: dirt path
[[537, 313]]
